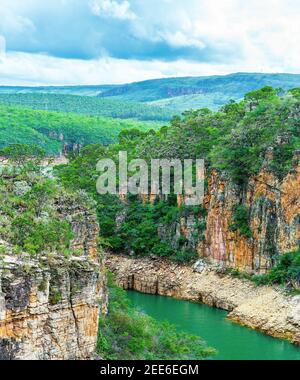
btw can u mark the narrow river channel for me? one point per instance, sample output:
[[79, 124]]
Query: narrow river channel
[[232, 341]]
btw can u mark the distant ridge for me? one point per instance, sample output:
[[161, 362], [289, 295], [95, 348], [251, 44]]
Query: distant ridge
[[176, 94], [235, 85]]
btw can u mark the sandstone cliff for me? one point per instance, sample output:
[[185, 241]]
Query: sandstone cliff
[[273, 209], [274, 212], [50, 303], [49, 309]]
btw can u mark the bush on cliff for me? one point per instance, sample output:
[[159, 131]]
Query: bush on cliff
[[240, 221], [285, 272], [127, 334]]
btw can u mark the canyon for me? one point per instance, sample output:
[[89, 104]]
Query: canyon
[[50, 305], [274, 211], [266, 309]]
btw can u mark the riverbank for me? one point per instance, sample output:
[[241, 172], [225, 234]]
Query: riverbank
[[261, 308]]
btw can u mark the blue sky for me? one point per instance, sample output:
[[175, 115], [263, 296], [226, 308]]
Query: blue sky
[[119, 41]]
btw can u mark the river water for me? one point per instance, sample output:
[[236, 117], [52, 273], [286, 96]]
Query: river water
[[233, 342]]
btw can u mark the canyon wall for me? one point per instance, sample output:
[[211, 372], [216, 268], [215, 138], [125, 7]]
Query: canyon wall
[[49, 309], [274, 219], [50, 305], [273, 213]]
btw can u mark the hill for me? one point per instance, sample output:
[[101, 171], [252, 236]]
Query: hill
[[66, 90], [88, 105], [53, 130], [230, 86], [172, 94]]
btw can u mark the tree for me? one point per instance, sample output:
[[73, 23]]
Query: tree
[[267, 93], [21, 154]]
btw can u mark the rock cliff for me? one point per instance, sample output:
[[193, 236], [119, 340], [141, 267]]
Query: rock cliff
[[49, 309], [50, 302], [274, 216]]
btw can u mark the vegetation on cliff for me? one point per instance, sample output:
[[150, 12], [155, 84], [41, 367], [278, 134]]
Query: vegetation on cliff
[[285, 272], [31, 220], [263, 130], [128, 334], [239, 140]]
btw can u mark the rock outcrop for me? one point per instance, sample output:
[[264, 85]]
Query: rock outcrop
[[262, 308], [274, 219], [50, 303], [49, 309], [273, 208]]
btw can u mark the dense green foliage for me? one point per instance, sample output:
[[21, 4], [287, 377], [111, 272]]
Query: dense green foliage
[[137, 233], [88, 105], [23, 155], [240, 219], [234, 139], [50, 130], [285, 272], [29, 220], [127, 334]]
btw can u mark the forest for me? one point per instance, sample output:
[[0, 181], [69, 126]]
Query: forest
[[51, 130], [157, 99], [88, 105], [234, 140]]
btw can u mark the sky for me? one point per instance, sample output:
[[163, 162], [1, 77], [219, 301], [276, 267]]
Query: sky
[[69, 42]]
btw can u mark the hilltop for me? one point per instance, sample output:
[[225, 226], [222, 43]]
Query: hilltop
[[166, 96]]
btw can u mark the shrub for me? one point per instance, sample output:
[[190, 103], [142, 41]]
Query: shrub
[[240, 221], [285, 272], [184, 256], [36, 237]]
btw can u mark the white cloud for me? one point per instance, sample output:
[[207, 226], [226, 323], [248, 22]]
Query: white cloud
[[180, 39], [112, 8], [226, 36], [12, 22], [2, 48], [38, 69]]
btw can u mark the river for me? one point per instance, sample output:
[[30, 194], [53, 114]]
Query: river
[[233, 342]]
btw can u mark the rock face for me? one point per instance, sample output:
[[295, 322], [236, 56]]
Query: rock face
[[273, 213], [50, 306], [274, 219], [262, 308], [273, 209], [49, 310]]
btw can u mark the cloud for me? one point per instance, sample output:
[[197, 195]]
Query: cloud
[[111, 8], [179, 39], [199, 34], [2, 48], [37, 69], [88, 29]]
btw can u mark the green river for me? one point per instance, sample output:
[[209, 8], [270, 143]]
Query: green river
[[232, 341]]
